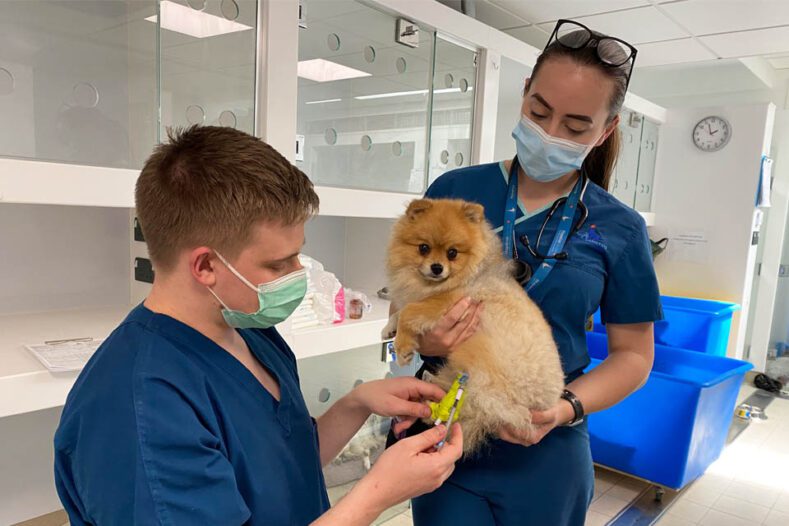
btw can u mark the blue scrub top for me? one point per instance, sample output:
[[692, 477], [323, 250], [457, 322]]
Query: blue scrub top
[[163, 426], [609, 264]]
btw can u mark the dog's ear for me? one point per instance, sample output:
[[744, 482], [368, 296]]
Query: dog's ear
[[473, 212], [418, 206]]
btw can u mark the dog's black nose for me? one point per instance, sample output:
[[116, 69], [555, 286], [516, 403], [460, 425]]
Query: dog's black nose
[[437, 269]]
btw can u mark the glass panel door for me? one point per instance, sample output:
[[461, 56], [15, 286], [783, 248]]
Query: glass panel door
[[452, 115], [363, 99], [78, 81], [208, 62]]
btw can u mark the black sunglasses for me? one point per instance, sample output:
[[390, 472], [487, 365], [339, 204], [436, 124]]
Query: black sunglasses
[[575, 36]]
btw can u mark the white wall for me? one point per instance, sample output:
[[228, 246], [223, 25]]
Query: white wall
[[702, 84], [513, 74], [711, 195], [60, 257], [366, 243]]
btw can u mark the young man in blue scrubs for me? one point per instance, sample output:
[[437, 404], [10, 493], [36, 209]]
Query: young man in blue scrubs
[[190, 412]]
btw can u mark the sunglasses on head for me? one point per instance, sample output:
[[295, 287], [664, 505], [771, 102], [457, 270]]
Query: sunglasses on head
[[611, 51]]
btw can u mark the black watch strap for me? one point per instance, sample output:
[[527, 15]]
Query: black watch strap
[[578, 408]]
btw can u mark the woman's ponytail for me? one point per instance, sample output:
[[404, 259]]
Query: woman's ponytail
[[599, 164]]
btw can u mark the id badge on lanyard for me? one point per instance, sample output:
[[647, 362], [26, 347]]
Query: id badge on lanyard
[[562, 231]]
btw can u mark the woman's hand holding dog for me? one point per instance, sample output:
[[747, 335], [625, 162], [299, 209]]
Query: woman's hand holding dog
[[455, 327], [543, 423]]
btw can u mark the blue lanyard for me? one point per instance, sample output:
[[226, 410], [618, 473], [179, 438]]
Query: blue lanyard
[[562, 231]]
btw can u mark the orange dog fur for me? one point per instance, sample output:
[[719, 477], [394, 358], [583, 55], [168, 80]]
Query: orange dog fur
[[512, 360]]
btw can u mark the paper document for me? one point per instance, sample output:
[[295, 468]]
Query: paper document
[[65, 355]]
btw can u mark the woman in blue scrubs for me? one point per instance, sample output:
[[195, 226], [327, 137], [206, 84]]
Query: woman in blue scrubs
[[567, 135], [190, 413]]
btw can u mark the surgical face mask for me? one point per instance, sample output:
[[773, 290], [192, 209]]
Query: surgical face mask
[[277, 299], [543, 157]]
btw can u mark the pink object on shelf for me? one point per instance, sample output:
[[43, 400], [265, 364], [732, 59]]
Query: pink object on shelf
[[339, 306]]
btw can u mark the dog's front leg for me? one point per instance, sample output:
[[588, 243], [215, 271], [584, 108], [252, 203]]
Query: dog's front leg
[[390, 330], [415, 320]]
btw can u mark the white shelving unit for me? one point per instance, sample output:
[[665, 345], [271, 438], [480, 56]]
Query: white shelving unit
[[26, 385], [349, 334], [37, 182]]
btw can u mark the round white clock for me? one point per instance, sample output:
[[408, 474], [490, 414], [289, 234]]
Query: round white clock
[[711, 133]]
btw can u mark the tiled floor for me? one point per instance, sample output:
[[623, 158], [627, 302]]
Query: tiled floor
[[748, 485]]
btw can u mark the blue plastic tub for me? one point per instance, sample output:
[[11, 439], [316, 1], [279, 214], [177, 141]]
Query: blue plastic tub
[[669, 431], [691, 324]]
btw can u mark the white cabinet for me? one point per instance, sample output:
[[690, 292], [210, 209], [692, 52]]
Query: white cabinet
[[646, 166], [623, 185], [376, 114], [635, 169]]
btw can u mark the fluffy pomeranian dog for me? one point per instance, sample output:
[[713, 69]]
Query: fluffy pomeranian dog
[[440, 252]]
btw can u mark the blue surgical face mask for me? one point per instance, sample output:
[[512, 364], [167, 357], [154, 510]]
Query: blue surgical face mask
[[543, 157], [277, 299]]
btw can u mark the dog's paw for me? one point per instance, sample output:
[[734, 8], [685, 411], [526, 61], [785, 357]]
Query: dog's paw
[[404, 359], [390, 331], [405, 348]]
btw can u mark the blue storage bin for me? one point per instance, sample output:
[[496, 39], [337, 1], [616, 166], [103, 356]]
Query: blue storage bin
[[691, 324], [669, 431]]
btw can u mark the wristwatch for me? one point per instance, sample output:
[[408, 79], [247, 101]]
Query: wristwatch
[[578, 408]]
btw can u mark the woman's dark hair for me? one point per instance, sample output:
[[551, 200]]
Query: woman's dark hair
[[599, 164]]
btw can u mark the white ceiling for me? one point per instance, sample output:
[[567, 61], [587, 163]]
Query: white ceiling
[[664, 31]]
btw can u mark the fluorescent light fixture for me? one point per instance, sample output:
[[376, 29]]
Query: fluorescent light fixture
[[406, 93], [392, 94], [188, 21], [321, 70], [453, 90], [322, 101]]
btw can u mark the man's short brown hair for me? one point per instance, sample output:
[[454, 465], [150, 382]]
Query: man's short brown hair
[[208, 186]]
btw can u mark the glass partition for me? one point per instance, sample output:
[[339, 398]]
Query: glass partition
[[363, 100], [208, 62], [78, 81], [452, 118]]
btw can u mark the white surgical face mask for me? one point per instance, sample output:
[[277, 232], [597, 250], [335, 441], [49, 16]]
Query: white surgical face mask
[[543, 157]]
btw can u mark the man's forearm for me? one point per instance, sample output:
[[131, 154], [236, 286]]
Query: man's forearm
[[338, 425], [360, 507]]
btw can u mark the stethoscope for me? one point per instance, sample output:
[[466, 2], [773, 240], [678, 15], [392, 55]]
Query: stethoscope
[[523, 271]]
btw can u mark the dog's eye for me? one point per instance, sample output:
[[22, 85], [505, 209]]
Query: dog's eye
[[452, 253], [424, 249]]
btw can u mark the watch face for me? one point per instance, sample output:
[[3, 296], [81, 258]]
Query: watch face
[[711, 133]]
